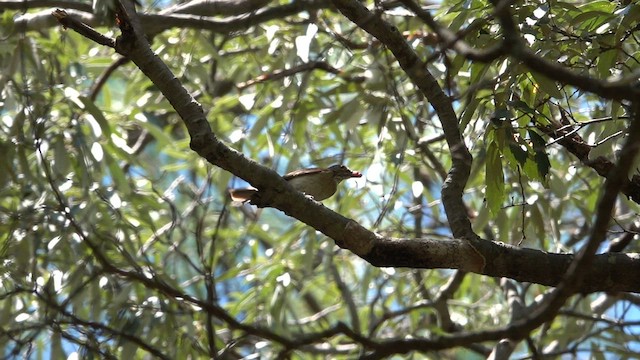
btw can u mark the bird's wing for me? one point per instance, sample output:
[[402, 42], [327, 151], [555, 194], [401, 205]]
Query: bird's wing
[[302, 172]]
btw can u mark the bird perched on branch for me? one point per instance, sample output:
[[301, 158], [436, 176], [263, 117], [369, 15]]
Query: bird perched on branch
[[319, 183]]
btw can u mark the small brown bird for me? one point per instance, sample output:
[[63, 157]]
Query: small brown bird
[[318, 183]]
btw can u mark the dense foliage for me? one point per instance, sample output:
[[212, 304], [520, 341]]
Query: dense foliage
[[119, 241]]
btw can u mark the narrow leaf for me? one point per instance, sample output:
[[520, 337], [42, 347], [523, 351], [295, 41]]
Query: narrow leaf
[[494, 179]]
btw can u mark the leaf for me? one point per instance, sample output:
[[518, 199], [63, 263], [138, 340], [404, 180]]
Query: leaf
[[536, 221], [263, 116], [501, 138], [128, 350], [558, 186], [603, 6], [8, 167], [521, 106], [590, 20], [494, 179], [56, 351], [615, 107], [118, 177], [469, 110], [518, 153], [162, 138], [547, 85], [481, 220], [501, 114], [61, 162], [538, 142], [605, 139], [478, 71], [97, 114], [606, 62], [543, 165]]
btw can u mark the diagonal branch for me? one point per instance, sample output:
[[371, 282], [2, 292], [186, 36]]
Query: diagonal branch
[[82, 28], [574, 143]]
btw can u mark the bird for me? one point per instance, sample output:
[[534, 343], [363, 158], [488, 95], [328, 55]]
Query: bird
[[318, 183]]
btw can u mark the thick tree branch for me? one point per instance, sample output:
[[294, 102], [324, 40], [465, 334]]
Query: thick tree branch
[[612, 270]]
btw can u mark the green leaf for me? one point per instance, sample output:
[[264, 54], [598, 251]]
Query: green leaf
[[590, 20], [468, 113], [606, 62], [543, 165], [481, 220], [61, 161], [118, 177], [547, 85], [538, 142], [536, 221], [518, 153], [56, 346], [494, 179], [521, 106], [97, 114], [603, 6], [128, 350], [162, 138]]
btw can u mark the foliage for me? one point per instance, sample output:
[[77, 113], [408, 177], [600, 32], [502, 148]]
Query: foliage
[[118, 241]]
